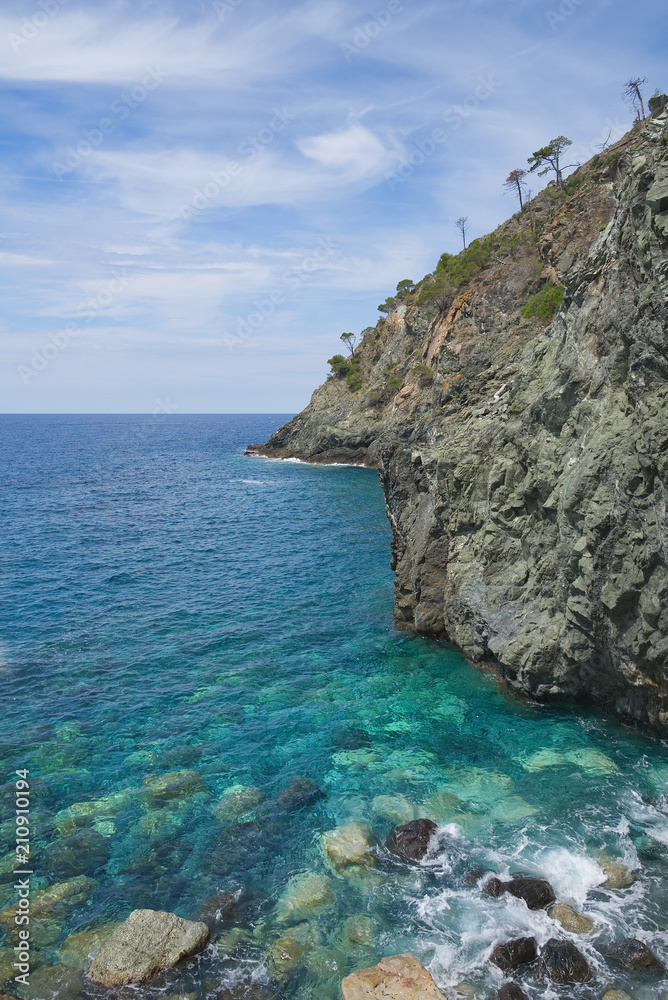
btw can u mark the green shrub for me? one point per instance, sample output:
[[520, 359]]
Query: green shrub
[[572, 184], [545, 303], [424, 374]]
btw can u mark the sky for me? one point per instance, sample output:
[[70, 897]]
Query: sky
[[197, 197]]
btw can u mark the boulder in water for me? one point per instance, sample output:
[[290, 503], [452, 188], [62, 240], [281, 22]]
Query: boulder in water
[[399, 977], [513, 954], [81, 853], [300, 793], [636, 956], [145, 943], [511, 991], [303, 894], [236, 800], [616, 995], [537, 893], [561, 962], [618, 875], [351, 739], [411, 841], [570, 919], [160, 788], [348, 845]]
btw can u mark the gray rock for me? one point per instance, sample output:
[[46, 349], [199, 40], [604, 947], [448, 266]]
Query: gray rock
[[561, 962], [657, 104], [411, 841], [513, 954], [145, 943]]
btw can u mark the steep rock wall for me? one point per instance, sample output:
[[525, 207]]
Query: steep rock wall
[[524, 465]]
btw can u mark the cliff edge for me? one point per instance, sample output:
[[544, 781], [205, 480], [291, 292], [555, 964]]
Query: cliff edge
[[515, 403]]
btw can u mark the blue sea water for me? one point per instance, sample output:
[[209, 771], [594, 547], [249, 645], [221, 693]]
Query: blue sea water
[[172, 607]]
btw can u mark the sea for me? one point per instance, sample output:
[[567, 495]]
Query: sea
[[201, 679]]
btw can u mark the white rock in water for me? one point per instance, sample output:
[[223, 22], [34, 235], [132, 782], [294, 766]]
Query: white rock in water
[[400, 977], [303, 894], [348, 845], [145, 943]]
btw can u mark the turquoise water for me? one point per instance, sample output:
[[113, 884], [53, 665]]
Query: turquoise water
[[169, 605]]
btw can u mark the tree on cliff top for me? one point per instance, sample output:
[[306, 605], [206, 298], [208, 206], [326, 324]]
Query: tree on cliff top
[[462, 225], [515, 182], [549, 157], [350, 340], [633, 96]]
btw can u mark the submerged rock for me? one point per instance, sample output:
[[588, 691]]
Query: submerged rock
[[79, 948], [511, 991], [636, 956], [561, 962], [348, 845], [513, 954], [618, 875], [359, 930], [62, 894], [300, 793], [351, 739], [302, 895], [83, 813], [80, 853], [172, 785], [245, 991], [396, 808], [399, 977], [145, 943], [570, 919], [411, 841], [616, 995], [236, 800]]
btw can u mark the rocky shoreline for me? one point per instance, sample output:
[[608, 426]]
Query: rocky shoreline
[[523, 457]]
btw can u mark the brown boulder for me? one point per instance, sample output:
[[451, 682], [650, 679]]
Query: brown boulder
[[411, 841], [399, 977], [513, 954]]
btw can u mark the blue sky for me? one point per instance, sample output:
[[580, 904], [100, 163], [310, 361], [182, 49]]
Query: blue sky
[[199, 197]]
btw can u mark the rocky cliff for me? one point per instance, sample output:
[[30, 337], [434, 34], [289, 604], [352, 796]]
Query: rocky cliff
[[515, 403]]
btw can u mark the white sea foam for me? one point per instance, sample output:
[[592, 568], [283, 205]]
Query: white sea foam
[[572, 873]]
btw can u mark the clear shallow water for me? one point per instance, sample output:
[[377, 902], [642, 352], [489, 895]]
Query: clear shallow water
[[169, 605]]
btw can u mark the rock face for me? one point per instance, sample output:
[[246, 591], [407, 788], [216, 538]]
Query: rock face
[[400, 977], [147, 942], [513, 954], [524, 454], [411, 841], [561, 962]]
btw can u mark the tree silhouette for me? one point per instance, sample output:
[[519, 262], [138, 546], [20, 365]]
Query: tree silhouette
[[350, 340], [462, 225], [632, 95], [549, 157], [515, 182]]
